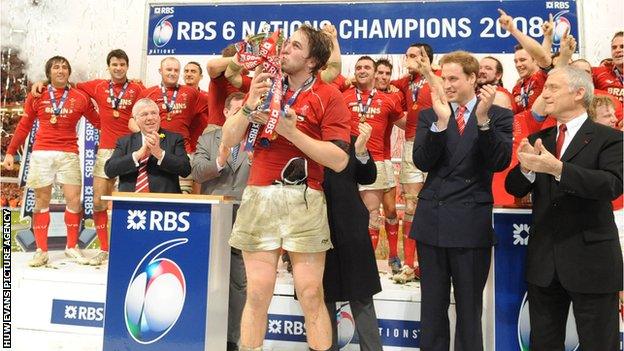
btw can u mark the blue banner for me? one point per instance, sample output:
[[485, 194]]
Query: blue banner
[[512, 230], [80, 313], [512, 321], [363, 28], [157, 290], [28, 200], [397, 333], [91, 142]]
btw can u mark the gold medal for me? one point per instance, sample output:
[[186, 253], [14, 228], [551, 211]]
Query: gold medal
[[415, 106], [362, 118], [169, 116], [115, 113], [53, 119]]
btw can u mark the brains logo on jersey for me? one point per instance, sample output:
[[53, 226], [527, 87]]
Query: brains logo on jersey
[[162, 32], [571, 342], [345, 325], [155, 295], [561, 27]]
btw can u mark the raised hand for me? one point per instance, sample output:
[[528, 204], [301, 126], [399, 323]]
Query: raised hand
[[142, 152], [441, 109], [260, 85], [424, 65], [224, 153], [540, 161], [486, 95], [362, 139], [330, 30], [526, 148], [548, 26], [506, 21], [568, 45]]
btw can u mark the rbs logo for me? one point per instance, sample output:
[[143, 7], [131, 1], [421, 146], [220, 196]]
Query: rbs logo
[[167, 221], [557, 5], [163, 10]]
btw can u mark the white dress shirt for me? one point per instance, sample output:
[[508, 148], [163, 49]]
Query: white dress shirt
[[573, 127]]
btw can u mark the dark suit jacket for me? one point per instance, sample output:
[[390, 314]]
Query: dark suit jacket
[[455, 204], [573, 231], [231, 180], [162, 178], [350, 267]]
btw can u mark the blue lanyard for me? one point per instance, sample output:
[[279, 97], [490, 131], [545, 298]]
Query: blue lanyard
[[295, 95], [415, 88], [169, 106], [618, 74], [524, 95], [57, 108], [116, 100], [369, 101]]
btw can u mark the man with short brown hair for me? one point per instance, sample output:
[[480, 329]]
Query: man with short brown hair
[[460, 143], [55, 154], [283, 205]]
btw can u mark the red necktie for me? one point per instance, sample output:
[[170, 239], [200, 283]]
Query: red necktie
[[560, 140], [459, 117], [142, 185]]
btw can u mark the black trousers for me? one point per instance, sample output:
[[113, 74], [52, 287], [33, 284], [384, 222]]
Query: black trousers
[[237, 295], [467, 269], [596, 315]]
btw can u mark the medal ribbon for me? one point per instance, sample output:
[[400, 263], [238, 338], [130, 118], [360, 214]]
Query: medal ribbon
[[116, 100], [369, 101], [618, 74], [524, 94], [57, 108], [173, 97], [415, 88]]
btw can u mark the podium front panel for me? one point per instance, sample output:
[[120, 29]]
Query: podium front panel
[[157, 292]]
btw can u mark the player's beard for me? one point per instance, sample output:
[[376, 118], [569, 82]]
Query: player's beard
[[490, 82]]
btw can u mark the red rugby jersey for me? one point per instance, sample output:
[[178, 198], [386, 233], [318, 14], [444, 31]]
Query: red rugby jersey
[[218, 90], [322, 115], [607, 78], [113, 125], [526, 90], [384, 110], [187, 114], [56, 133], [414, 87], [398, 97]]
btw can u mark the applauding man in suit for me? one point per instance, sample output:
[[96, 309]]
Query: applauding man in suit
[[574, 171], [461, 142], [150, 160]]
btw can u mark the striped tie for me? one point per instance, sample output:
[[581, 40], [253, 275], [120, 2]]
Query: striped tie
[[142, 185], [235, 151], [461, 124]]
